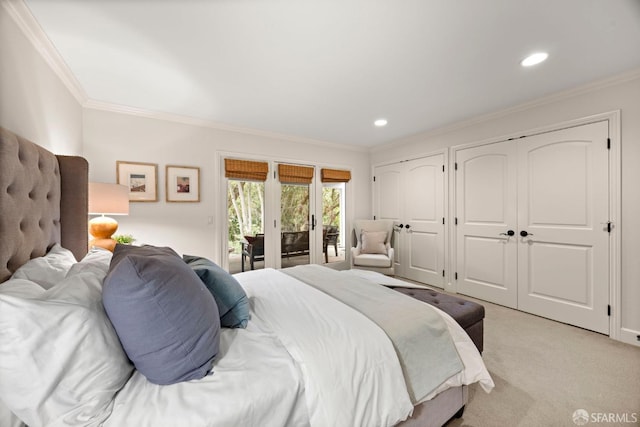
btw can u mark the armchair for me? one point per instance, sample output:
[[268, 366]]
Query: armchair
[[373, 249]]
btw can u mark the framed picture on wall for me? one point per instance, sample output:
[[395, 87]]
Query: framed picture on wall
[[183, 183], [141, 178]]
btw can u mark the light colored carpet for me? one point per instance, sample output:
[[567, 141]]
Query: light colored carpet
[[544, 371]]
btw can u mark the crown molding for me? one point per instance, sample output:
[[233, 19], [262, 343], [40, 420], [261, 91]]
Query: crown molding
[[193, 121], [24, 19], [539, 102]]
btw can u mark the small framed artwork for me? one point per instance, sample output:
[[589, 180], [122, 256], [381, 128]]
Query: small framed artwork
[[141, 178], [183, 183]]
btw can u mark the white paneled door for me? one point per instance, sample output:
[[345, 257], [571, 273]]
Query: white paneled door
[[532, 231], [412, 194], [486, 213]]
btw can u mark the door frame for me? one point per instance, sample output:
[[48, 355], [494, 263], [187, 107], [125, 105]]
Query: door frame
[[615, 208]]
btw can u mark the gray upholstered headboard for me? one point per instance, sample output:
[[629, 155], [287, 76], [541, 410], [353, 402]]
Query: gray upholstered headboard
[[43, 201]]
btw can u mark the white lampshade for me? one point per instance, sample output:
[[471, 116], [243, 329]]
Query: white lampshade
[[108, 199]]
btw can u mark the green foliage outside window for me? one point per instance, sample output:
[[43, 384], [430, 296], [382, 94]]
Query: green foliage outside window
[[245, 206]]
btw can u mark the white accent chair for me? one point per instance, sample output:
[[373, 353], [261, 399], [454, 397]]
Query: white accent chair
[[379, 259]]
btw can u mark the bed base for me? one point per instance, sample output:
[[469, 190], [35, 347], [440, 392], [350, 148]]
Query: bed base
[[437, 411]]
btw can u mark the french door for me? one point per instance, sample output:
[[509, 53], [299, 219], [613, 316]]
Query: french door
[[532, 219], [412, 194]]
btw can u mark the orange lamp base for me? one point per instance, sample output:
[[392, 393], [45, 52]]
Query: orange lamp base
[[101, 229]]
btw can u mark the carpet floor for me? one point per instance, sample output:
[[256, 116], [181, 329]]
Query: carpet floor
[[545, 371]]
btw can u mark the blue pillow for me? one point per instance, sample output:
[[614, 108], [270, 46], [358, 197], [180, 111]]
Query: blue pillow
[[233, 304], [166, 320]]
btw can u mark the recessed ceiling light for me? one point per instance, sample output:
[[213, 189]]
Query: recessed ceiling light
[[380, 122], [534, 59]]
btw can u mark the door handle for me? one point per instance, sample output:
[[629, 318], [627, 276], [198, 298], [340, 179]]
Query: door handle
[[400, 226], [407, 226], [508, 233], [524, 233]]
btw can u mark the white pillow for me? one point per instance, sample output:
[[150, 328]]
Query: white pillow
[[49, 269], [61, 362], [373, 242]]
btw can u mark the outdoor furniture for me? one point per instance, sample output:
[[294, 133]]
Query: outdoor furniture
[[252, 248], [294, 243], [330, 236]]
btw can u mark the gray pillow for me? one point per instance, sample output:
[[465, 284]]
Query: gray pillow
[[165, 317], [233, 304]]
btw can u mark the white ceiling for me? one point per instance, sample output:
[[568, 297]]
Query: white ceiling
[[326, 69]]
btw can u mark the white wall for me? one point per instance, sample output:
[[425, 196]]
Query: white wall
[[34, 102], [621, 93], [111, 136]]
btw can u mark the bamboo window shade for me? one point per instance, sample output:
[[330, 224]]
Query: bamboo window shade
[[246, 169], [294, 174], [335, 175]]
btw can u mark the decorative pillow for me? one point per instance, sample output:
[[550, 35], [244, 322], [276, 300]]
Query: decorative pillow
[[233, 304], [373, 242], [47, 270], [166, 318], [61, 362]]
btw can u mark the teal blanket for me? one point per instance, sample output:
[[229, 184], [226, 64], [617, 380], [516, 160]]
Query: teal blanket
[[419, 335]]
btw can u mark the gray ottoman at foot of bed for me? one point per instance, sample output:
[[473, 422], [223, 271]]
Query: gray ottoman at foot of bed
[[468, 314]]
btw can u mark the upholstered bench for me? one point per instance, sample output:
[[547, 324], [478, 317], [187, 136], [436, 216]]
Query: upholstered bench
[[468, 314]]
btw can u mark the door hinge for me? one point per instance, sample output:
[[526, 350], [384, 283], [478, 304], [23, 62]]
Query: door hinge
[[455, 165], [456, 275], [608, 143], [456, 221], [442, 168], [442, 220], [374, 217], [609, 310], [374, 178], [274, 223], [442, 273], [274, 174], [609, 227]]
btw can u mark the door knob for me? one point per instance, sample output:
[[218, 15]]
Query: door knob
[[407, 226], [400, 225], [524, 233], [508, 233]]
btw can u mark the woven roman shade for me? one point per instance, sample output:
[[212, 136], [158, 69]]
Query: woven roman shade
[[335, 175], [246, 169], [294, 174]]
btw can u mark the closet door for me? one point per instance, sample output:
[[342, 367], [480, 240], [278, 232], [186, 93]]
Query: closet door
[[486, 253], [388, 196], [423, 236], [411, 193], [563, 262]]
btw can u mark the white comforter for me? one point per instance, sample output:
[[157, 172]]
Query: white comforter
[[305, 359]]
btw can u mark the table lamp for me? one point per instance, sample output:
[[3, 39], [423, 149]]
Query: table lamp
[[106, 199]]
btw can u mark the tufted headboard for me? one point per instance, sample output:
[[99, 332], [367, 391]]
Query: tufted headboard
[[43, 201]]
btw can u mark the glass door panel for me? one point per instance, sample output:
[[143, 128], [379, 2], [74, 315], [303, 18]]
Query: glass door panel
[[245, 213], [333, 222], [295, 224]]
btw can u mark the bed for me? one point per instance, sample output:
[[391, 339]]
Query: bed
[[316, 350]]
